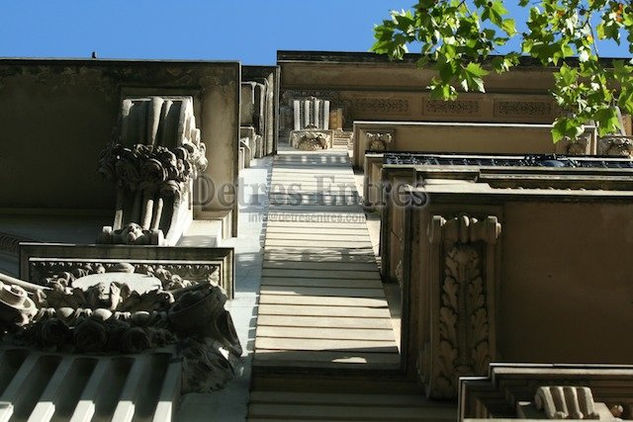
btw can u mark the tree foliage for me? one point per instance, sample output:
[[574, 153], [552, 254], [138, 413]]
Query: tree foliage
[[460, 39]]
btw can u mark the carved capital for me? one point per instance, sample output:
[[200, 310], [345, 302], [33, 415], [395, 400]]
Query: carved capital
[[462, 320]]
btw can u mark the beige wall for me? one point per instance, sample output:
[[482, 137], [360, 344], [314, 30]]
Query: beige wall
[[58, 115], [562, 290], [367, 87], [461, 138], [566, 291]]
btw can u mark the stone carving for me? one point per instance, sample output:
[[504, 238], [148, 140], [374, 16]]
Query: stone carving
[[582, 145], [126, 312], [156, 156], [578, 147], [381, 105], [523, 109], [171, 275], [379, 139], [566, 402], [459, 107], [311, 113], [616, 145], [15, 305], [311, 139], [464, 319], [547, 391]]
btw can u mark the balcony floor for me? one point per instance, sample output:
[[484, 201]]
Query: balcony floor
[[321, 302]]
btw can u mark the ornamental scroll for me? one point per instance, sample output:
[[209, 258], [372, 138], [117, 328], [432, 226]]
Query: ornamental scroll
[[462, 287]]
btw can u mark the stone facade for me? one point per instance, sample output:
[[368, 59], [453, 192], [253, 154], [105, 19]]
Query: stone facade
[[475, 255]]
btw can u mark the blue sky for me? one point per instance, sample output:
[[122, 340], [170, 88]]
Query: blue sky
[[247, 30]]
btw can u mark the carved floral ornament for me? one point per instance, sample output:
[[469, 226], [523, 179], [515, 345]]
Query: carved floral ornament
[[152, 167], [310, 139], [97, 310], [379, 139], [616, 145], [464, 322]]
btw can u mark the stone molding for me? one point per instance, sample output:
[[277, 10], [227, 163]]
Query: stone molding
[[548, 391], [41, 262], [462, 296]]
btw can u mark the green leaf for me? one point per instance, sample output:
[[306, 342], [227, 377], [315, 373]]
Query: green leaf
[[509, 26], [565, 128], [476, 70], [625, 100], [607, 120]]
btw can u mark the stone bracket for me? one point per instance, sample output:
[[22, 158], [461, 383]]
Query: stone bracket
[[461, 290]]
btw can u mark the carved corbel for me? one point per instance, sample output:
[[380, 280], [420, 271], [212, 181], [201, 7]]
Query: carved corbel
[[153, 161], [461, 286], [567, 402], [379, 140]]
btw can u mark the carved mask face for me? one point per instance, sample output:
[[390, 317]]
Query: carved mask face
[[131, 233]]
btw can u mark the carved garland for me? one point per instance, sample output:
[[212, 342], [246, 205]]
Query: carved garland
[[464, 345]]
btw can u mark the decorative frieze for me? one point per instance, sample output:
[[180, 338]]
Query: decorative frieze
[[534, 109], [380, 105], [462, 296], [92, 311], [451, 108]]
